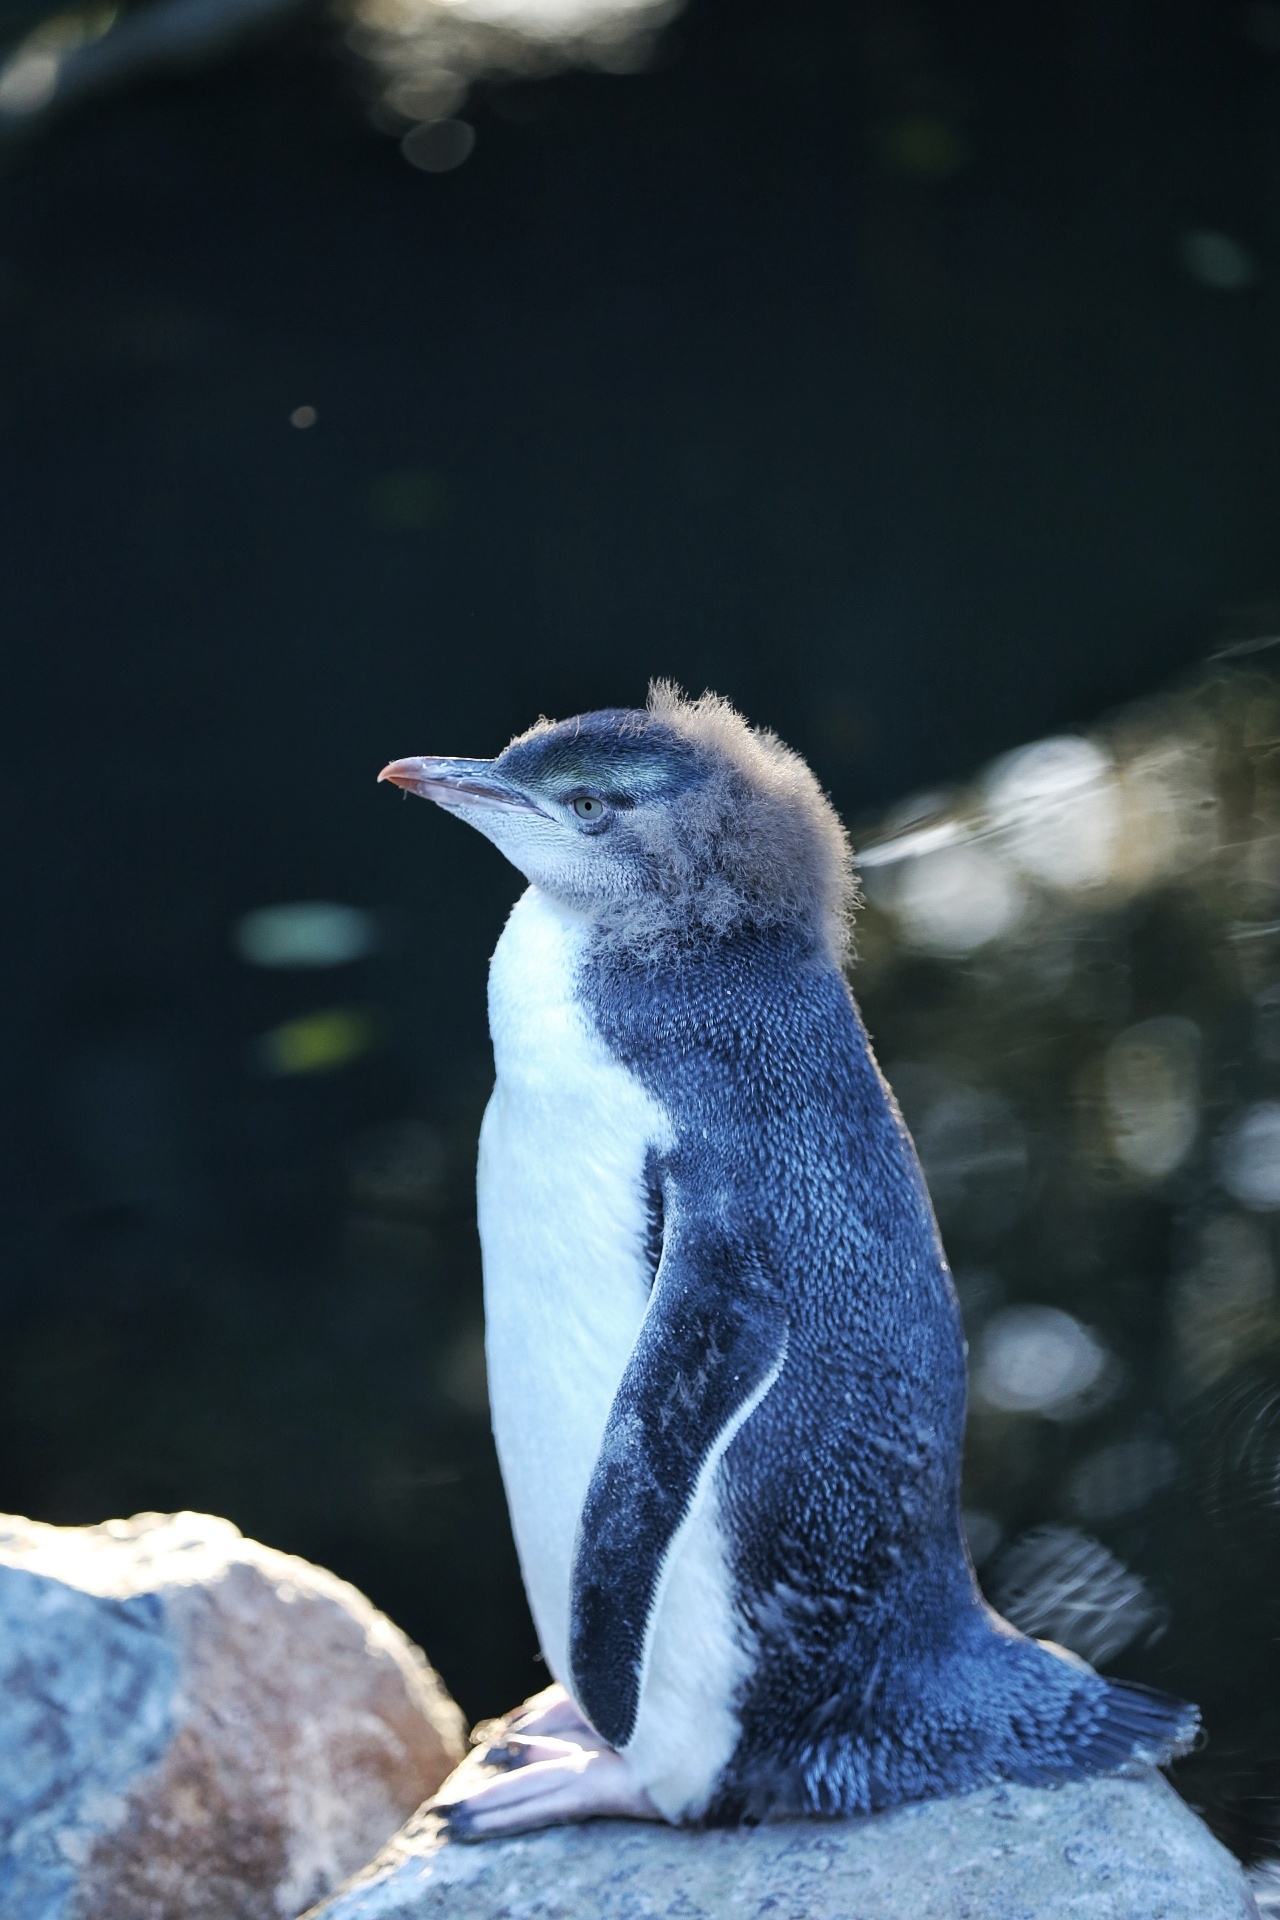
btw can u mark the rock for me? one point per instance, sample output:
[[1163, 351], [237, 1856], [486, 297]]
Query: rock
[[195, 1727], [1113, 1849]]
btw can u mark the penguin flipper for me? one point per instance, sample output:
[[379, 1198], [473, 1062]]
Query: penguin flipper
[[711, 1346]]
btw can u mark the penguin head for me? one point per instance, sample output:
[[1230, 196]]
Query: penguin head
[[673, 822]]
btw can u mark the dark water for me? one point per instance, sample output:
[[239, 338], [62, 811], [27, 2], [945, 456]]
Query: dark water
[[908, 375], [1072, 969]]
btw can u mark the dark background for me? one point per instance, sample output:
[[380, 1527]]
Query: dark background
[[849, 361]]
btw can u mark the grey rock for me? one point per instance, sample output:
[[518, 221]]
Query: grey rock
[[195, 1727], [1112, 1849]]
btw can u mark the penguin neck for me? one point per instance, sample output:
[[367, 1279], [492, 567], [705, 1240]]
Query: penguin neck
[[660, 931], [611, 935]]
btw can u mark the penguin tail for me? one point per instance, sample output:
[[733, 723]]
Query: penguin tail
[[1135, 1726], [1006, 1709]]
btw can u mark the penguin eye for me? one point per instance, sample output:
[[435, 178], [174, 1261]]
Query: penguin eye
[[587, 807]]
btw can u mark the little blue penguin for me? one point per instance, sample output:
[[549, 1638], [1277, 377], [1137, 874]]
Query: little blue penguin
[[726, 1364]]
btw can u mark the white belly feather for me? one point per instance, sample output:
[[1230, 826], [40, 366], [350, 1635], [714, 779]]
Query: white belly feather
[[562, 1227], [567, 1284]]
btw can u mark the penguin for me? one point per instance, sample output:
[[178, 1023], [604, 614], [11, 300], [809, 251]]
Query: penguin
[[726, 1365]]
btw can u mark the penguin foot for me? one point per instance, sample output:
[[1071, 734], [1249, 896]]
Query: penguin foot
[[505, 1742], [556, 1783], [551, 1711]]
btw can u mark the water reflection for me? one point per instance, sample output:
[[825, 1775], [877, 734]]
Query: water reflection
[[971, 1145], [425, 54], [429, 53], [1120, 1478], [1072, 969], [1222, 1306], [1060, 1585]]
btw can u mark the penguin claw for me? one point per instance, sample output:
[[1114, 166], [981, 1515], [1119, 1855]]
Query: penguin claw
[[578, 1783], [456, 1821]]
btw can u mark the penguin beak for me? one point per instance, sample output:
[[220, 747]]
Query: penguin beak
[[460, 786]]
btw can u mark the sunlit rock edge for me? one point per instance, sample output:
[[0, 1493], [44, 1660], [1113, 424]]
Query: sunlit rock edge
[[194, 1724], [1110, 1847]]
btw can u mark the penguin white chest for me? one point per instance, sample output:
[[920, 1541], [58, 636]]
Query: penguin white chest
[[562, 1228]]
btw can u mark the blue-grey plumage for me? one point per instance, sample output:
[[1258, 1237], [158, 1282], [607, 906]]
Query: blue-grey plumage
[[750, 1576]]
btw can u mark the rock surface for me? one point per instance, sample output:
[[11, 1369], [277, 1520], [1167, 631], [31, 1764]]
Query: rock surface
[[1115, 1849], [195, 1727]]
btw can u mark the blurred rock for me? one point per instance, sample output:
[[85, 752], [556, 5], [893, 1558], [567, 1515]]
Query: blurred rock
[[195, 1727], [1101, 1849]]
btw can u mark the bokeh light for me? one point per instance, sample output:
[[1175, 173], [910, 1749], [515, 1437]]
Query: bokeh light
[[438, 146], [1056, 807], [952, 898], [1121, 1478], [1250, 1157], [318, 1042], [1151, 1076], [1039, 1360], [1218, 260], [306, 933]]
